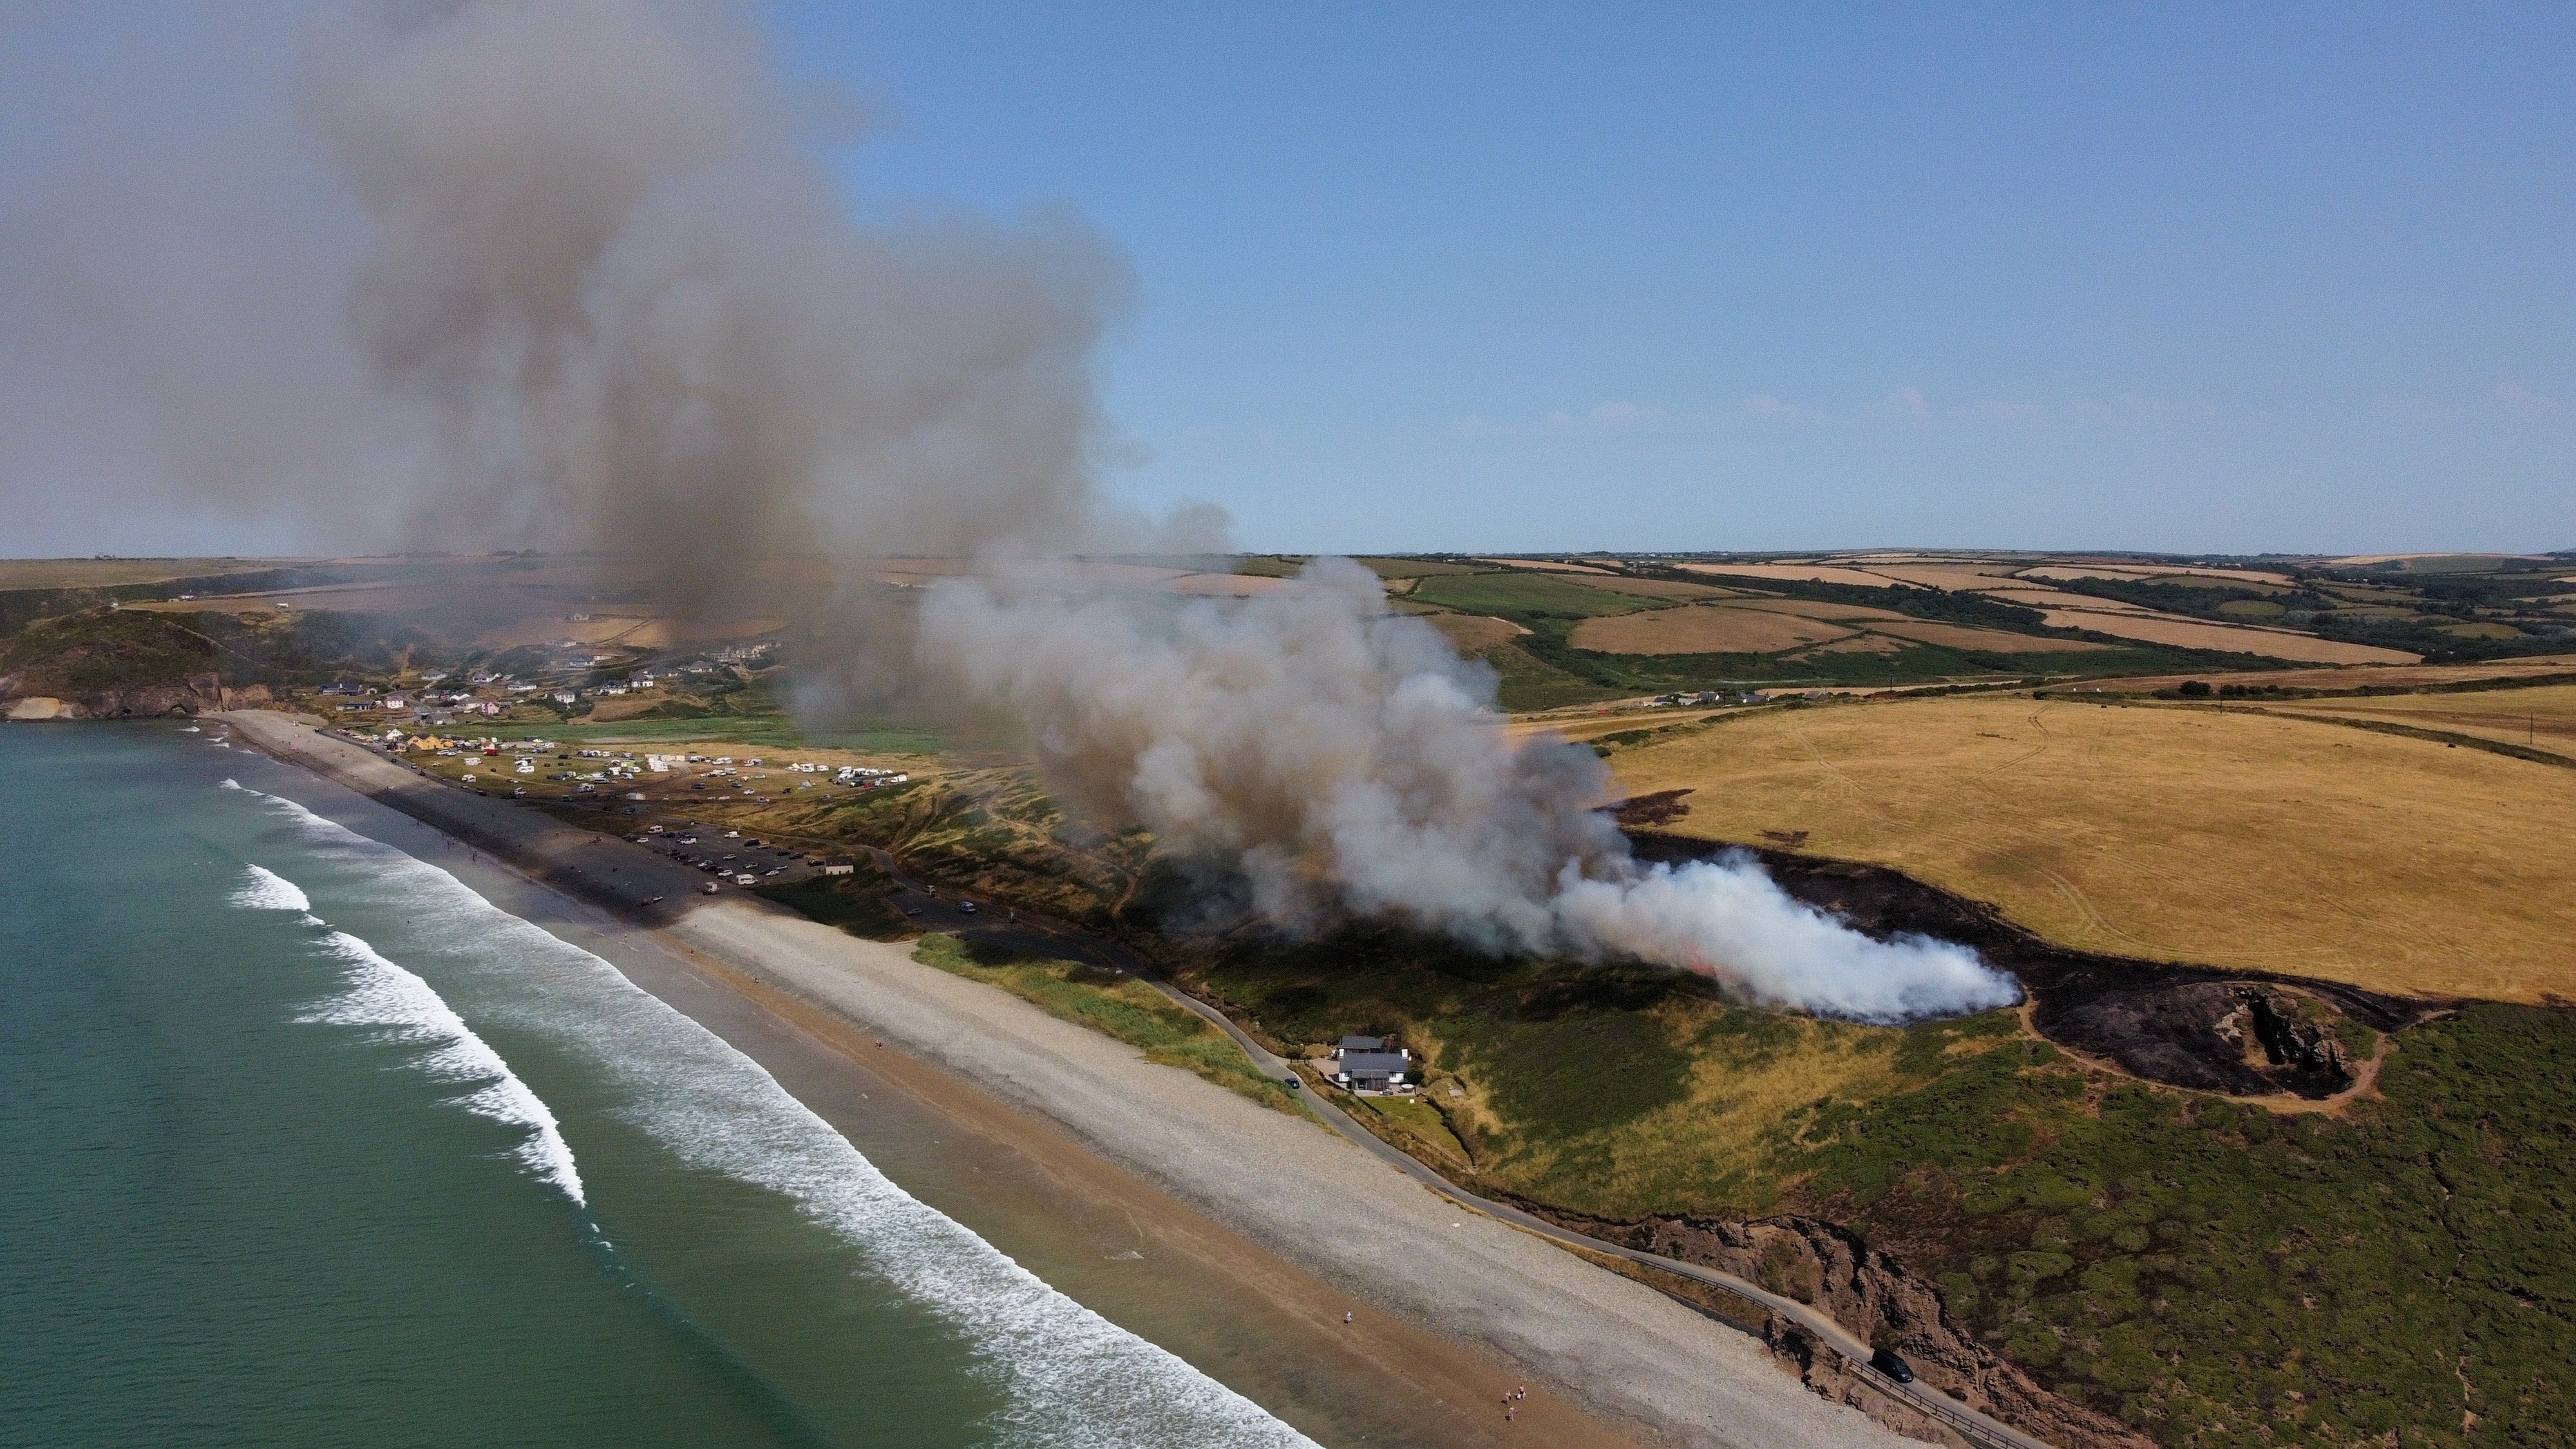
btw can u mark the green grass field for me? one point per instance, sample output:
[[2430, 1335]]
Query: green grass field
[[1118, 1006], [1527, 599], [777, 731], [2211, 1274]]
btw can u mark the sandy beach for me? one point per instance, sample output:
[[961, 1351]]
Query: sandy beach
[[1268, 1215]]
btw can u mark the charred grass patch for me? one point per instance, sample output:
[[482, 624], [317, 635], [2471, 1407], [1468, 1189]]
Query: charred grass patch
[[861, 903]]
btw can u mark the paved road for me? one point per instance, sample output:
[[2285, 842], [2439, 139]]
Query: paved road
[[939, 910]]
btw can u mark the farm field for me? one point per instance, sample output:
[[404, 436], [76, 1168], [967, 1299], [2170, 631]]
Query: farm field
[[1702, 629], [2248, 840], [1961, 636], [1804, 573], [2194, 634], [86, 573], [2541, 718], [1474, 633], [2400, 676]]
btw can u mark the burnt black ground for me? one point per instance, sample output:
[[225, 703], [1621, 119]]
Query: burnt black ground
[[2155, 1019]]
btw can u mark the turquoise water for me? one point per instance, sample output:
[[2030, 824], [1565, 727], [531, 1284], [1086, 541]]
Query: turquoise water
[[308, 1144]]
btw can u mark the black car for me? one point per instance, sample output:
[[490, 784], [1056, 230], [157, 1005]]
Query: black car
[[1886, 1362]]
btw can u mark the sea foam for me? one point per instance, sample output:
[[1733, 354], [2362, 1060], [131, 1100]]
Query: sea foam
[[384, 995], [266, 890], [1070, 1377]]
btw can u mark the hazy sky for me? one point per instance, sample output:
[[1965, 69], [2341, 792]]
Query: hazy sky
[[2230, 278]]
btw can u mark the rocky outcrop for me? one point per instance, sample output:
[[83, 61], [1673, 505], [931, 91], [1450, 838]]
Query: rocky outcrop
[[1820, 1368], [35, 699], [1872, 1295], [2286, 1036]]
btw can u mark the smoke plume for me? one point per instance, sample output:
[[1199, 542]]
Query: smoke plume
[[570, 274], [559, 275], [1347, 762]]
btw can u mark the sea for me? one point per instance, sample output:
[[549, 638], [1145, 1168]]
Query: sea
[[306, 1141]]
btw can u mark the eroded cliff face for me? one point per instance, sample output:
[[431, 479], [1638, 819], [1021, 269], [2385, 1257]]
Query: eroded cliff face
[[24, 699], [1873, 1296]]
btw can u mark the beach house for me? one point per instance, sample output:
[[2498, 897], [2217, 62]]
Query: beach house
[[1363, 1064]]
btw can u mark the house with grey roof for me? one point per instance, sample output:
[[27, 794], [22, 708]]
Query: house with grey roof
[[1362, 1064]]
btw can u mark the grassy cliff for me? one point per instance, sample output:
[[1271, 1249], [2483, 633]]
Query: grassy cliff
[[2207, 1272]]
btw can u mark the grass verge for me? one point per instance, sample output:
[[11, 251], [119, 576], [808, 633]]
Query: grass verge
[[1114, 1005]]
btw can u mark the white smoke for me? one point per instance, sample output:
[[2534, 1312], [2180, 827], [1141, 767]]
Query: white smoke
[[1351, 763], [574, 274]]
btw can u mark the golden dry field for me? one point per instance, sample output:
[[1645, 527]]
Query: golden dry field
[[1995, 641], [2402, 676], [1470, 633], [1546, 565], [100, 573], [1701, 629], [2254, 577], [1656, 588], [2040, 596], [1949, 578], [2237, 839], [2541, 718], [1817, 609], [1817, 573], [2196, 634]]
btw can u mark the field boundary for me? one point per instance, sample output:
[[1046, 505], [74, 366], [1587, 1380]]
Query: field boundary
[[2412, 732]]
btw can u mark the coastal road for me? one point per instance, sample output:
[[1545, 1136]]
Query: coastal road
[[1025, 932]]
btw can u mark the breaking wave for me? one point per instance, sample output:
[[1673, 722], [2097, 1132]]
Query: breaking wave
[[404, 1008], [266, 890], [1070, 1377]]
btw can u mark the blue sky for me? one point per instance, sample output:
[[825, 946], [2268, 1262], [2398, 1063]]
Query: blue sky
[[1512, 277]]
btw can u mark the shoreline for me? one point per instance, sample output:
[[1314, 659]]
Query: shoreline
[[1272, 1218]]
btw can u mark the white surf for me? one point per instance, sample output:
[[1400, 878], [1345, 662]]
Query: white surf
[[1071, 1377]]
